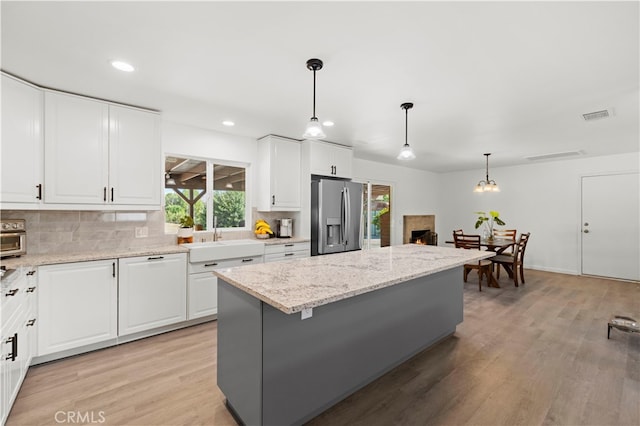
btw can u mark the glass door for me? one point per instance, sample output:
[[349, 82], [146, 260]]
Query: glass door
[[376, 213]]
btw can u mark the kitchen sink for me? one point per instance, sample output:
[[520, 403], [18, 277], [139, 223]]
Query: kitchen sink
[[227, 249]]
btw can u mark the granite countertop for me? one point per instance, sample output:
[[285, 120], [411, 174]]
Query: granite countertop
[[54, 258], [315, 281]]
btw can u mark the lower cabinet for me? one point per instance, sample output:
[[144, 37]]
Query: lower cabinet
[[286, 251], [203, 295], [153, 292], [17, 344], [77, 305]]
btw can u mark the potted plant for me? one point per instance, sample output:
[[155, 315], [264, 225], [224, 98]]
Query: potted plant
[[494, 217], [185, 232]]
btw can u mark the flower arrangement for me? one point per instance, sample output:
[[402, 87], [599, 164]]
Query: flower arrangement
[[494, 217]]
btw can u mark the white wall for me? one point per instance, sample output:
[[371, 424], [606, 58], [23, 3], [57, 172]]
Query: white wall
[[541, 198], [413, 192]]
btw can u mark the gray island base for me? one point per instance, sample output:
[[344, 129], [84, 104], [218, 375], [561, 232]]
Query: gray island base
[[276, 369]]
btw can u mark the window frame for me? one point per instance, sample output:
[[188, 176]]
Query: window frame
[[208, 198]]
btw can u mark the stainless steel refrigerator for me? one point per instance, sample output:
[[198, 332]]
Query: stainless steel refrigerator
[[336, 211]]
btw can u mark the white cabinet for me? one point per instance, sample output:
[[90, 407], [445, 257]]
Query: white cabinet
[[100, 153], [203, 295], [286, 251], [153, 292], [17, 344], [22, 143], [278, 174], [77, 305], [327, 159]]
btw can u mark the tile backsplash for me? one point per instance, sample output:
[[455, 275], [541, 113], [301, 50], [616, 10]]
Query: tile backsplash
[[82, 231]]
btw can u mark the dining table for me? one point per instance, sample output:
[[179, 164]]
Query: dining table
[[498, 245]]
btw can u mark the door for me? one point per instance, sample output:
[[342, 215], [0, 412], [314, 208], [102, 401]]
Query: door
[[152, 292], [76, 150], [284, 174], [203, 295], [611, 226], [21, 168], [377, 215], [77, 305], [134, 156]]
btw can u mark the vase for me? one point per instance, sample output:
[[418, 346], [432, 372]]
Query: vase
[[489, 230]]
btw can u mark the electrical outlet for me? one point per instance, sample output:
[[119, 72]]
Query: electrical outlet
[[142, 231]]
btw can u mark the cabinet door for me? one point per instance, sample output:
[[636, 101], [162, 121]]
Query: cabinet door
[[11, 365], [134, 156], [153, 292], [77, 305], [321, 158], [342, 162], [203, 295], [22, 142], [76, 150], [285, 174]]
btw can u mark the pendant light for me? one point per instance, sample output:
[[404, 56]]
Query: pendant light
[[314, 128], [487, 185], [406, 153]]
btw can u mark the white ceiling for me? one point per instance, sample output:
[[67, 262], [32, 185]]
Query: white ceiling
[[511, 78]]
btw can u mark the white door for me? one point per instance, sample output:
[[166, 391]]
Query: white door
[[611, 226], [285, 173], [76, 150], [152, 292], [135, 156], [203, 295], [22, 143], [77, 305]]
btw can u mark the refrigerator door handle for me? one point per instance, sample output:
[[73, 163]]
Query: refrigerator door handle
[[347, 215], [343, 207]]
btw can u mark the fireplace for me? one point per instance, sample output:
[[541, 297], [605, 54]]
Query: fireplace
[[424, 236]]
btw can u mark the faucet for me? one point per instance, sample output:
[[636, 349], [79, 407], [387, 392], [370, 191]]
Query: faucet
[[215, 228]]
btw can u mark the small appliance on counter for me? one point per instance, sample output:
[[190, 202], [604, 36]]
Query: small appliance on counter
[[284, 228], [13, 237]]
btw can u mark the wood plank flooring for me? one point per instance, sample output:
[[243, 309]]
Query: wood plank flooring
[[533, 355]]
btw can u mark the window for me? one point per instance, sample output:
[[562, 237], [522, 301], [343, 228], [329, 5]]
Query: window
[[206, 191]]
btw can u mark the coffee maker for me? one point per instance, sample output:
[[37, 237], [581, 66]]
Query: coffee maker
[[284, 228]]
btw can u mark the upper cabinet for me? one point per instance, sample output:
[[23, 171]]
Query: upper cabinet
[[97, 153], [22, 143], [328, 159], [278, 174]]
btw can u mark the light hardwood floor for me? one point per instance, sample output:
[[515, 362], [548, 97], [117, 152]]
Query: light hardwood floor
[[533, 355]]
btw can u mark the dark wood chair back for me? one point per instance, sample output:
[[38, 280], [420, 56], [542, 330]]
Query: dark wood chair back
[[466, 241], [520, 247]]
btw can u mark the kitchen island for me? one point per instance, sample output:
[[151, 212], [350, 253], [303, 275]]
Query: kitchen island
[[294, 338]]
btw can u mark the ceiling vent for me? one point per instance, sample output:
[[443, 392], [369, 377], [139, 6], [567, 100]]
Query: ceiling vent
[[553, 155], [597, 115]]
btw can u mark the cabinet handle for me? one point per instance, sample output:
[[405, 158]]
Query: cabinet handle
[[289, 254], [31, 273], [12, 292], [155, 258], [31, 289], [247, 260], [288, 245], [210, 264], [273, 200], [39, 196], [112, 194], [113, 269], [14, 347], [104, 194], [32, 322]]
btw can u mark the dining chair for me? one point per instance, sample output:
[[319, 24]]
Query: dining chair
[[509, 234], [472, 242], [515, 261]]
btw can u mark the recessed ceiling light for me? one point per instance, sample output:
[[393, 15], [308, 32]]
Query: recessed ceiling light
[[122, 66], [228, 123], [327, 123]]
